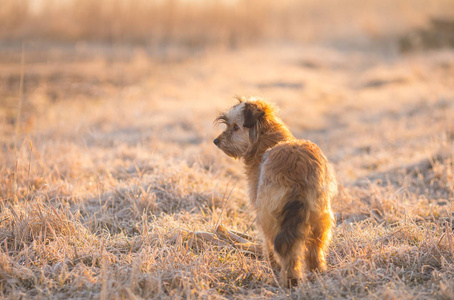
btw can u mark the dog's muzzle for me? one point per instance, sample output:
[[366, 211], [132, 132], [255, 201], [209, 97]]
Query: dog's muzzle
[[216, 142]]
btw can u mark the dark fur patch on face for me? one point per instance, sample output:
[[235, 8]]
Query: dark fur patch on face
[[252, 114]]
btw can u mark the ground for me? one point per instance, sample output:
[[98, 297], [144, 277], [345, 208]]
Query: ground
[[107, 164]]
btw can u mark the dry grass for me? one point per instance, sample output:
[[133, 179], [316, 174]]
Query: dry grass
[[109, 162]]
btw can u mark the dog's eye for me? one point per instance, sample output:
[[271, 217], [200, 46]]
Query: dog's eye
[[236, 127]]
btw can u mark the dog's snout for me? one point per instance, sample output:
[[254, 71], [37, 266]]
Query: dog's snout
[[216, 141]]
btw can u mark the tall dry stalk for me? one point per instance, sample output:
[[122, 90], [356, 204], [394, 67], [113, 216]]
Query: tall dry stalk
[[21, 95]]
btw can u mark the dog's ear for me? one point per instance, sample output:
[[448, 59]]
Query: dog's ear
[[251, 114]]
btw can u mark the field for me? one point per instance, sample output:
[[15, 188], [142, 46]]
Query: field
[[107, 166]]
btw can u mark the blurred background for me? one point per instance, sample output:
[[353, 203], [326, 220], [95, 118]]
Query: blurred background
[[61, 57], [228, 23]]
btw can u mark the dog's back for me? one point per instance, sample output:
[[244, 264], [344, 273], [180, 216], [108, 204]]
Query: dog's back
[[293, 194]]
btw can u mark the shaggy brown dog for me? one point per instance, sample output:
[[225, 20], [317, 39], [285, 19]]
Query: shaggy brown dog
[[291, 185]]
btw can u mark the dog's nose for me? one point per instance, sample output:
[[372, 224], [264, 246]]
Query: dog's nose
[[216, 142]]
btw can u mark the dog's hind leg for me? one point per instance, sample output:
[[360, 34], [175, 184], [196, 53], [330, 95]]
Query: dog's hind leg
[[268, 251], [291, 265], [317, 241]]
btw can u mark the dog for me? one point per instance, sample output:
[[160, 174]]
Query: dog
[[291, 186]]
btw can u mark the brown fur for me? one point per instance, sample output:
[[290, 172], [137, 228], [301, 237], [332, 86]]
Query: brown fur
[[291, 185]]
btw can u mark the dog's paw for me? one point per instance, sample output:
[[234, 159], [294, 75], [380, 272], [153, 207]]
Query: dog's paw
[[290, 278], [289, 282]]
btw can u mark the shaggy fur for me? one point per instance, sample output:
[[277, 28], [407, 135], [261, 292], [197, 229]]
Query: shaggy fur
[[291, 185]]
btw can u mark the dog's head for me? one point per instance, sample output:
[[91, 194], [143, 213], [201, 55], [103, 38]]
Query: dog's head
[[244, 122]]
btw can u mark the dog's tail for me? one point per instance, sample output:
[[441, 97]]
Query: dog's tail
[[294, 215]]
